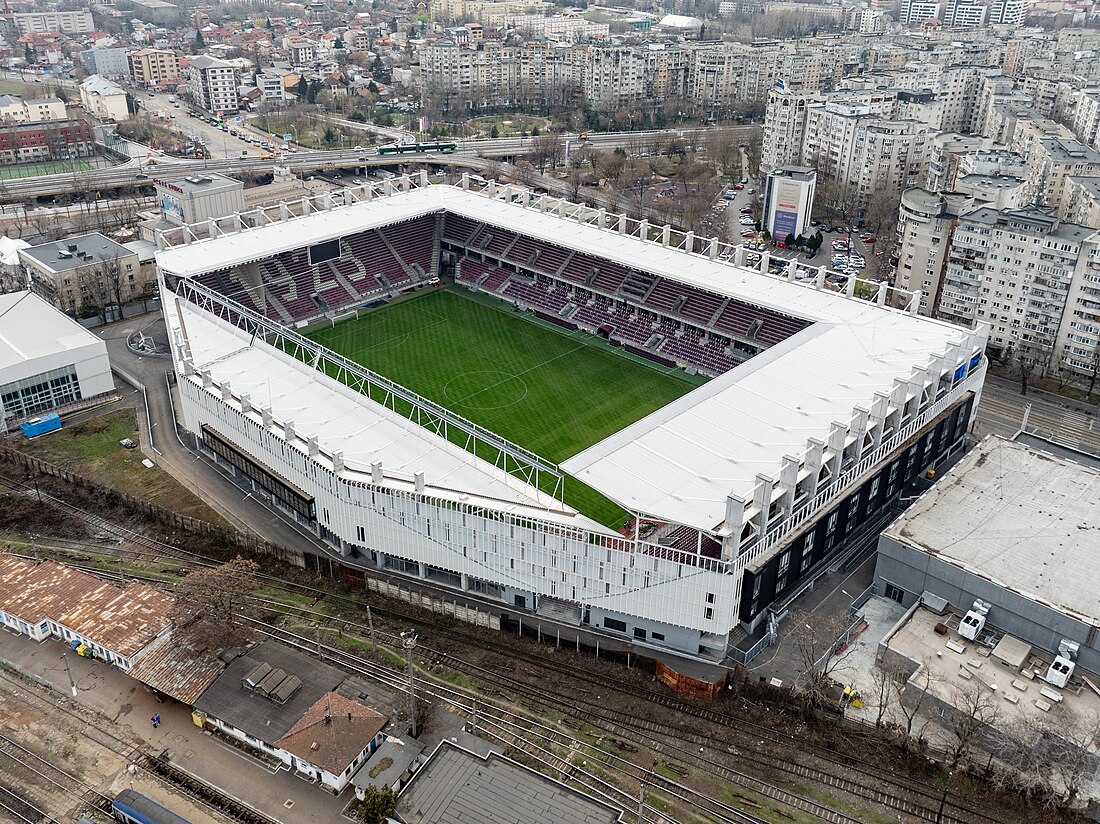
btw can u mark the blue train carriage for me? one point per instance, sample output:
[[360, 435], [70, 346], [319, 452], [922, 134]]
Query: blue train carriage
[[130, 807]]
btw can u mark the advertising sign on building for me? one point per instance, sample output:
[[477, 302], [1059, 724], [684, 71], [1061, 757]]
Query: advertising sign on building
[[786, 209]]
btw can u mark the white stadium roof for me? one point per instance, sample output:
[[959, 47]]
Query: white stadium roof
[[681, 462], [343, 420]]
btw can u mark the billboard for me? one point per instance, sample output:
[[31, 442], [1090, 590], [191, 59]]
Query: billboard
[[171, 205], [785, 212]]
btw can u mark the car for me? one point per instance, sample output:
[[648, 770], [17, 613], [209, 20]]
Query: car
[[781, 244], [738, 186], [728, 196], [751, 191], [177, 105], [721, 206], [744, 180], [440, 173], [868, 238], [747, 221], [748, 233], [358, 148], [746, 210], [357, 181]]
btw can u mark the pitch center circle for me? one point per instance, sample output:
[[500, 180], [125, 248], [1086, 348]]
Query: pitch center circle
[[485, 389]]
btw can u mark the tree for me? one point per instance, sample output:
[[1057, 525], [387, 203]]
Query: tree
[[377, 805], [200, 41], [379, 71], [818, 639], [1027, 357], [546, 150], [494, 132], [789, 239], [212, 605], [912, 695], [976, 708]]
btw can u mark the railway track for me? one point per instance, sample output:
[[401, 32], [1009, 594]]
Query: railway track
[[50, 786], [852, 775], [200, 792]]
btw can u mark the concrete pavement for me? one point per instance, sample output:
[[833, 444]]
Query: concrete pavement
[[115, 703]]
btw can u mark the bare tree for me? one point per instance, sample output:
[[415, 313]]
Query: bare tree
[[1029, 358], [912, 695], [546, 151], [976, 708], [821, 650], [723, 152], [212, 604]]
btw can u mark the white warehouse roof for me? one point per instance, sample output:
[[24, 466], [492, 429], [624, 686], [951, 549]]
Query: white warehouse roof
[[31, 328], [681, 462], [1018, 516]]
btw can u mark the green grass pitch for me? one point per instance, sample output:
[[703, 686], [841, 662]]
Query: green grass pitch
[[551, 391]]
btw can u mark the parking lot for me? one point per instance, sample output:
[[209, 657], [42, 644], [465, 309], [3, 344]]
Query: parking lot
[[843, 251]]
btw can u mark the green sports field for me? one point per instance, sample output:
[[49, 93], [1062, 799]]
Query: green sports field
[[551, 391]]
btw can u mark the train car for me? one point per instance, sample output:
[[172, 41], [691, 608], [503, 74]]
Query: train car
[[413, 148], [130, 807]]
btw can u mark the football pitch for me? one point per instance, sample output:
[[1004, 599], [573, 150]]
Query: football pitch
[[549, 390]]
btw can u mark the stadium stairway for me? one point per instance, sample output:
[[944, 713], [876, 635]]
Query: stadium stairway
[[277, 305], [345, 284], [406, 268]]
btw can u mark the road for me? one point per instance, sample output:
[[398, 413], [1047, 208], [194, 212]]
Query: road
[[1071, 423], [468, 153]]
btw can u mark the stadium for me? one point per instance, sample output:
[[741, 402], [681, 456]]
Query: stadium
[[576, 414]]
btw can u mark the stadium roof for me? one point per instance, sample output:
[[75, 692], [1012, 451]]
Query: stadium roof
[[679, 463], [343, 420]]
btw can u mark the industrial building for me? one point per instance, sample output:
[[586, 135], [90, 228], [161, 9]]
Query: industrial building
[[47, 360], [1013, 529]]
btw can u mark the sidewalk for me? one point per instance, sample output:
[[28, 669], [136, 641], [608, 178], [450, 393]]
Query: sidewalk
[[127, 707]]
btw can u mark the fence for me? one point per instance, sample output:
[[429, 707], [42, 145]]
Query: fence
[[432, 603], [164, 517]]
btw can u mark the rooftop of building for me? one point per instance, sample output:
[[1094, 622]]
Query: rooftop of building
[[75, 252], [229, 699], [1031, 218], [457, 787], [332, 732], [388, 763], [1062, 150], [201, 183], [1088, 184], [1011, 671], [1018, 516], [32, 328], [122, 619], [95, 84]]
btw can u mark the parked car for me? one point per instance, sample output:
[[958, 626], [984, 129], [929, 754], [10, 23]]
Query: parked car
[[748, 233], [868, 238]]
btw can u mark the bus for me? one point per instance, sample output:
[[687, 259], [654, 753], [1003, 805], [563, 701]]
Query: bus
[[414, 148]]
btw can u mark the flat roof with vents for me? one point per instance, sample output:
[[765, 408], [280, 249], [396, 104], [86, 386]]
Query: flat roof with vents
[[267, 690]]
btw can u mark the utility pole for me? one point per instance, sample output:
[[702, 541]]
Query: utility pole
[[69, 672], [408, 641]]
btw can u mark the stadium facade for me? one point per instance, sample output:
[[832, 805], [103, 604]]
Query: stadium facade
[[823, 404]]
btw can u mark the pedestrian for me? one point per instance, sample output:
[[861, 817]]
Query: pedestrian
[[153, 721], [156, 720]]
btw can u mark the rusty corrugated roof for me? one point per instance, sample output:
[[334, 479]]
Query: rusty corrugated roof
[[173, 667]]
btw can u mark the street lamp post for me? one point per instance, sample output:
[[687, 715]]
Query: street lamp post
[[408, 642], [69, 672]]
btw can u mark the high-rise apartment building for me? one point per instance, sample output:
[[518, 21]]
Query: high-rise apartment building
[[154, 67], [214, 84], [1051, 162]]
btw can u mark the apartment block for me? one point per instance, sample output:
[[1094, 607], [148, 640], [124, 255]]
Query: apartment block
[[155, 67], [14, 109], [66, 22], [214, 84], [1015, 270], [1051, 163], [106, 62], [926, 220]]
